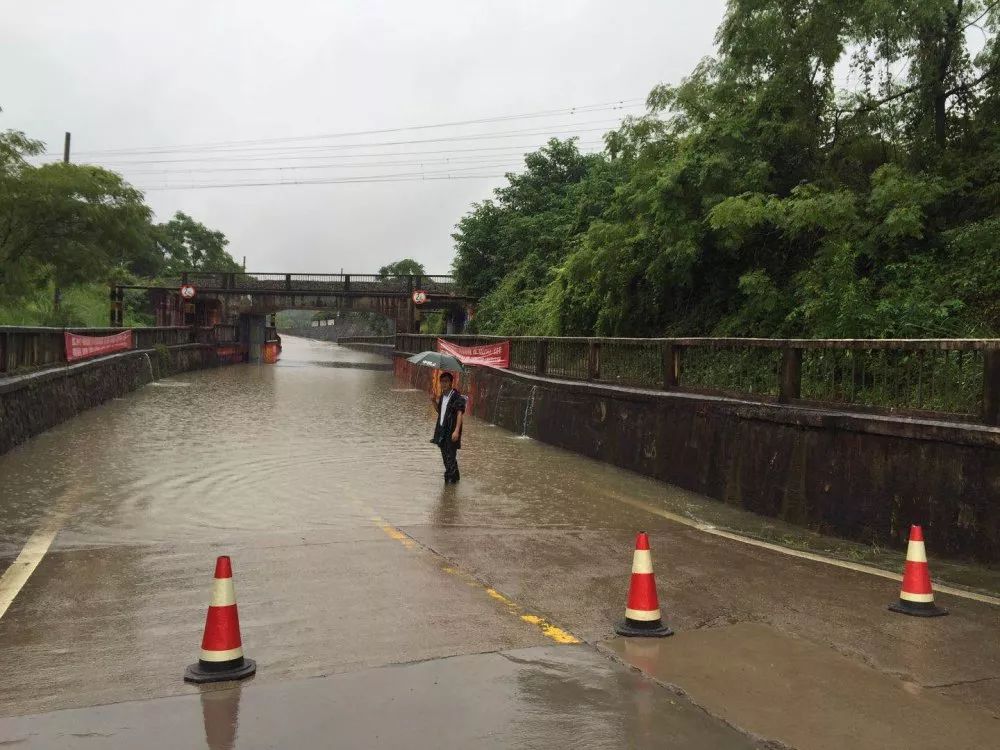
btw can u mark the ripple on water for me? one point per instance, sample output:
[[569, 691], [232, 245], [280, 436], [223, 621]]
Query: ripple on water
[[261, 450]]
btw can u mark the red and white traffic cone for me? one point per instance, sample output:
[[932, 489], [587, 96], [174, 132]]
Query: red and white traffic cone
[[642, 611], [221, 648], [916, 597]]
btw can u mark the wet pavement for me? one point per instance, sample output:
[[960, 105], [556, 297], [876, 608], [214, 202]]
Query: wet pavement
[[531, 698], [350, 555], [763, 680]]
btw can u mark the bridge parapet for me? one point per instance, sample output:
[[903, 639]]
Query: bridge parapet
[[24, 348]]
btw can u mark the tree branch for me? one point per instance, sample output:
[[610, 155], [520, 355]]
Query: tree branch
[[879, 102], [982, 15], [916, 87], [972, 84]]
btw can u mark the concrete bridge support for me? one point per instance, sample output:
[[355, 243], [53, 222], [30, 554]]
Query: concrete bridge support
[[253, 333]]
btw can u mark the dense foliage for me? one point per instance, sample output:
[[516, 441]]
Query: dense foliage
[[759, 197], [184, 244], [67, 230]]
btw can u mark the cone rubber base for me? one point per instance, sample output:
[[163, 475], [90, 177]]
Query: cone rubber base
[[917, 609], [624, 627], [196, 674]]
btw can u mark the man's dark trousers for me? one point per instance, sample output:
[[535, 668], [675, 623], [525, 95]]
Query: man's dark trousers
[[449, 454]]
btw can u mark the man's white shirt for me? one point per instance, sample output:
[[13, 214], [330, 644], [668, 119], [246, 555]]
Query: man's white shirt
[[444, 405]]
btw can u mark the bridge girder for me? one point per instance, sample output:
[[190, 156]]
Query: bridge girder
[[240, 292]]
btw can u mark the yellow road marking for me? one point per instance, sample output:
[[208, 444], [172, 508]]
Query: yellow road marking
[[709, 529], [394, 533], [557, 634], [547, 628], [500, 597]]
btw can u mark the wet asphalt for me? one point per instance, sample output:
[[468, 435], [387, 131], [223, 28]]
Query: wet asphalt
[[385, 609]]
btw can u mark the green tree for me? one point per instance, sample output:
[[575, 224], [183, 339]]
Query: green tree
[[759, 198], [187, 244], [63, 224], [508, 248], [405, 267]]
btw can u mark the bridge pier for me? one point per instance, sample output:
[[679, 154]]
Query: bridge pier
[[253, 334], [455, 319]]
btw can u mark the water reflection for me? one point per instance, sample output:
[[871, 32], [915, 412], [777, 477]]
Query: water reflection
[[448, 510], [220, 711], [601, 706]]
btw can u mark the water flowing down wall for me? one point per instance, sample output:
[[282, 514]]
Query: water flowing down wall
[[36, 401], [859, 476]]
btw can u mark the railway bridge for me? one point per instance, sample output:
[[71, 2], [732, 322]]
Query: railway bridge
[[244, 298]]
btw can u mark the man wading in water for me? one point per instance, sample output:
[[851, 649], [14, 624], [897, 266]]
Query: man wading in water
[[448, 430]]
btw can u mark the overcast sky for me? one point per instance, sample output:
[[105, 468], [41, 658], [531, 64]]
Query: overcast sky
[[172, 85]]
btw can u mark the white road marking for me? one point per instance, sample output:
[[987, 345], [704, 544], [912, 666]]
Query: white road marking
[[709, 529], [20, 570], [14, 578]]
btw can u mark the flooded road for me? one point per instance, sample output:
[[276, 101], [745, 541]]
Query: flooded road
[[351, 556]]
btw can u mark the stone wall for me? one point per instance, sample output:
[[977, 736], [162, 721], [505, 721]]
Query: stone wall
[[32, 403], [862, 477]]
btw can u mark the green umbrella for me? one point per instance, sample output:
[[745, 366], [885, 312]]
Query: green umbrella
[[437, 360]]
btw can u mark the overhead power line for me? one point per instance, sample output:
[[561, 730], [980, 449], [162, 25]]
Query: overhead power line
[[308, 157], [588, 108], [332, 181], [432, 168], [409, 173], [507, 160], [550, 131]]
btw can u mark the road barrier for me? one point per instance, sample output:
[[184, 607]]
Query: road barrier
[[221, 656], [642, 609], [955, 379], [916, 596], [25, 348]]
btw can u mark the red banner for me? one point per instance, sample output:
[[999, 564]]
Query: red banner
[[82, 347], [491, 355]]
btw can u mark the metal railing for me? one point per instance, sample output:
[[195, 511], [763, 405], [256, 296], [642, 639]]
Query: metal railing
[[24, 348], [944, 378], [346, 283], [147, 338]]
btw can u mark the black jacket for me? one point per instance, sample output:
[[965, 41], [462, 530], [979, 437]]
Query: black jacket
[[444, 431]]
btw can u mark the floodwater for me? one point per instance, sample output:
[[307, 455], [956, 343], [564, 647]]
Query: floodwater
[[224, 453], [354, 565]]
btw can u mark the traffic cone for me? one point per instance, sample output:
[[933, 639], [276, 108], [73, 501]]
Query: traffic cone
[[642, 611], [221, 648], [916, 597]]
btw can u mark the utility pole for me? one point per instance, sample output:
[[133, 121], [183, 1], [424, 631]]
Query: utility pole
[[57, 295]]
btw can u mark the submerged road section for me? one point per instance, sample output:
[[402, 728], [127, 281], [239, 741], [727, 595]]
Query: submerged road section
[[386, 609]]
